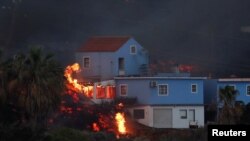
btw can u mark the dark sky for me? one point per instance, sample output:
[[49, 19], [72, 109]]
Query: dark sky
[[213, 35]]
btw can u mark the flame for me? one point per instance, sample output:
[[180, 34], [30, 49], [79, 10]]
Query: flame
[[95, 127], [68, 74], [87, 90], [104, 121], [120, 121]]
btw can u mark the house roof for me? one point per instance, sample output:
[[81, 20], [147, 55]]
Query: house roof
[[158, 105], [103, 44], [234, 80], [154, 78]]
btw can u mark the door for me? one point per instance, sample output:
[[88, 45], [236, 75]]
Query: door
[[191, 115], [121, 66], [162, 118]]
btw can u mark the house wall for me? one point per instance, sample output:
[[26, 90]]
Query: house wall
[[210, 91], [133, 62], [136, 88], [104, 65], [241, 87], [147, 113], [177, 122], [184, 123], [179, 91], [101, 64]]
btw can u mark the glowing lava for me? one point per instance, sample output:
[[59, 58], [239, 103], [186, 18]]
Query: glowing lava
[[87, 90], [120, 121], [105, 121], [68, 74], [95, 127]]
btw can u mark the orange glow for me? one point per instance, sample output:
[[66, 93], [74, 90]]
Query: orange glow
[[120, 105], [68, 74], [120, 121], [110, 92], [100, 92], [95, 127], [87, 90]]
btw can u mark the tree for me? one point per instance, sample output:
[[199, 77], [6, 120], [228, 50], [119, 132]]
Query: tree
[[229, 112], [33, 85], [246, 114]]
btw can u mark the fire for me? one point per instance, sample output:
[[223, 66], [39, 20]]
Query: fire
[[112, 123], [120, 121], [68, 74], [95, 127], [106, 122], [87, 90]]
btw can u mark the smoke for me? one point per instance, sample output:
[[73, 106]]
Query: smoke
[[210, 34], [245, 29]]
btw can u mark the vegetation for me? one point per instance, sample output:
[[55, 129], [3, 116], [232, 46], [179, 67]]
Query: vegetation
[[245, 119], [66, 134], [230, 111], [15, 132], [30, 89]]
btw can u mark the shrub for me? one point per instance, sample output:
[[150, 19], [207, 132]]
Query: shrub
[[15, 132], [66, 134], [141, 138], [103, 136]]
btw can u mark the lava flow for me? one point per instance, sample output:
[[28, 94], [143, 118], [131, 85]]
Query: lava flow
[[74, 84], [95, 127], [111, 123]]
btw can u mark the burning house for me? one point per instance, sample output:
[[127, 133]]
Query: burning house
[[117, 67]]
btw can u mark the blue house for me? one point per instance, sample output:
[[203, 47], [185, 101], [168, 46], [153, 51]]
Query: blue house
[[211, 94], [165, 102], [102, 58], [242, 85], [118, 67]]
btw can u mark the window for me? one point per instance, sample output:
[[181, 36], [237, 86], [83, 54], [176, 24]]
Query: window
[[163, 89], [183, 114], [110, 92], [100, 92], [248, 90], [138, 113], [86, 62], [123, 89], [121, 63], [194, 88], [152, 84], [133, 49], [89, 91]]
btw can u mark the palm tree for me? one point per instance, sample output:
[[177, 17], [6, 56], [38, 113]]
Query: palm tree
[[34, 85], [44, 84], [227, 97]]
